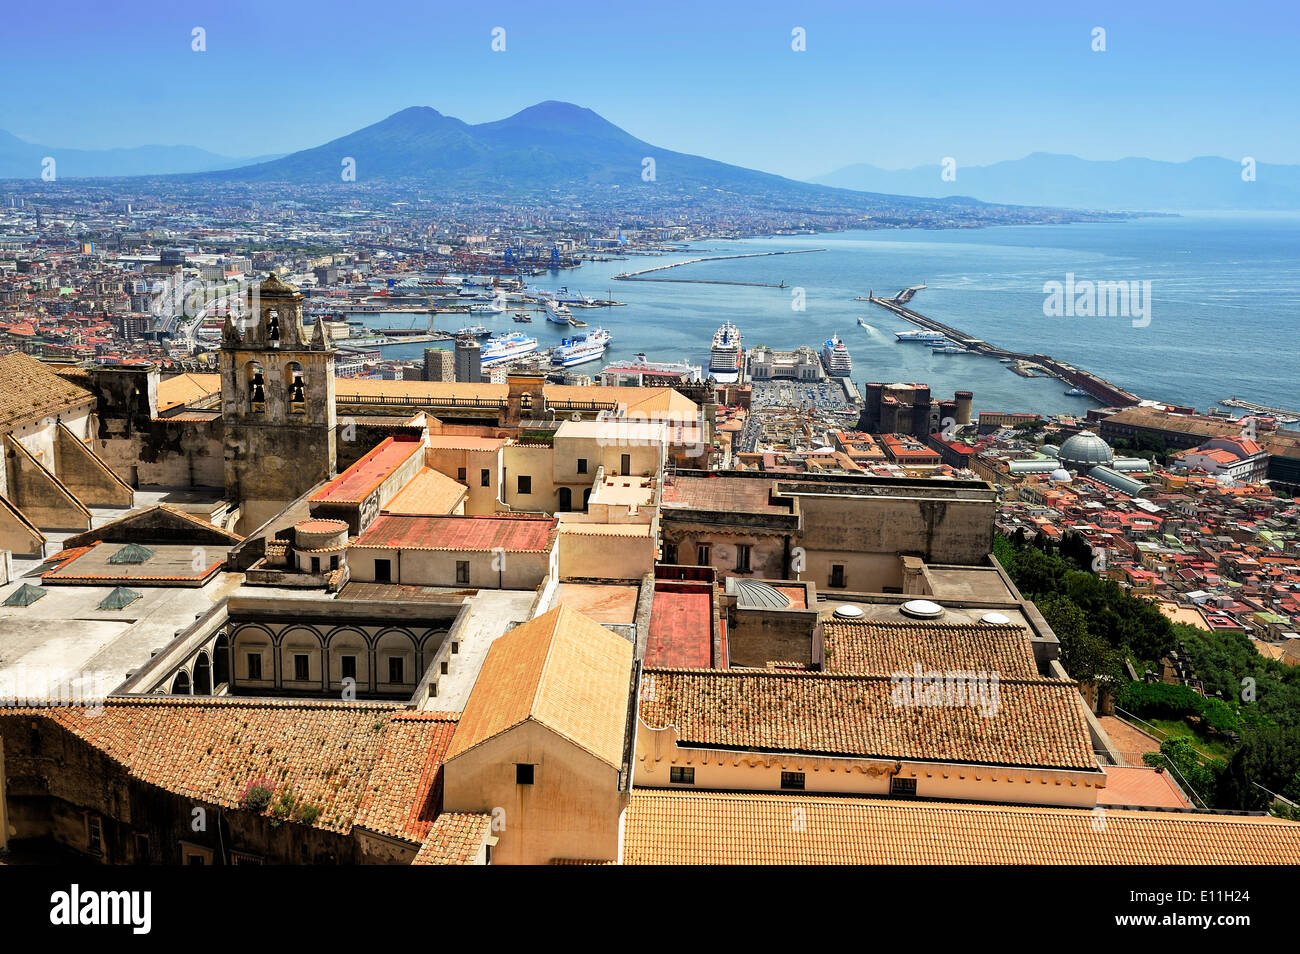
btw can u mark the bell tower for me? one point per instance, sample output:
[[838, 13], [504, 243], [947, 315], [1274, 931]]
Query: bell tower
[[277, 403]]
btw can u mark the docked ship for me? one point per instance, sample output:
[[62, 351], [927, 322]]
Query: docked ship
[[501, 347], [558, 312], [835, 357], [922, 337], [474, 331], [580, 350], [724, 359], [950, 348]]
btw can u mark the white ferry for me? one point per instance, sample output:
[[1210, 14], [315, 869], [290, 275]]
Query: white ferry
[[922, 337], [580, 350], [501, 347], [558, 312]]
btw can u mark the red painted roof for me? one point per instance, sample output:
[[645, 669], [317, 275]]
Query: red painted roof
[[519, 534], [357, 482], [681, 627]]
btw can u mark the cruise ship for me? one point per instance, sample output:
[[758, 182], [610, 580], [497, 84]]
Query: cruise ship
[[580, 350], [501, 347], [724, 359], [922, 337], [835, 356], [558, 312]]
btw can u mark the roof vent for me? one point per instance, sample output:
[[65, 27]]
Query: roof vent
[[848, 611], [997, 619], [922, 609]]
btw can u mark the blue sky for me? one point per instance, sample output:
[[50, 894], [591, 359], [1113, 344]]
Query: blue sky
[[893, 84]]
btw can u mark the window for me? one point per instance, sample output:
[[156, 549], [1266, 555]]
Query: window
[[792, 780], [334, 562], [254, 665], [485, 478], [301, 666], [142, 856], [525, 485], [395, 669], [742, 558], [837, 574], [524, 773], [680, 775], [625, 464], [462, 571], [348, 667], [460, 475], [383, 571], [315, 564], [194, 855], [703, 553], [95, 834], [670, 553], [582, 465], [902, 786]]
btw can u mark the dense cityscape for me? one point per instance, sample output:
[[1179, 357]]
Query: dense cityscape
[[340, 526]]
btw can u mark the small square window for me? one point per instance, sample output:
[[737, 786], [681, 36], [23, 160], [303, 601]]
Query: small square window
[[254, 665], [460, 474], [703, 554], [485, 478], [524, 773], [792, 780], [742, 558], [525, 484], [681, 775], [837, 575], [301, 666], [348, 667], [582, 465], [395, 669], [902, 786], [462, 571]]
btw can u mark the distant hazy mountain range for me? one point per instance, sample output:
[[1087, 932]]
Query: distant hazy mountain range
[[23, 160], [1146, 185]]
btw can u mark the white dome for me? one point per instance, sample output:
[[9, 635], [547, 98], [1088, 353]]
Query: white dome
[[1060, 476]]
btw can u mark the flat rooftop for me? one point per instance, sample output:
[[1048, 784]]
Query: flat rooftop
[[625, 491], [681, 627], [160, 564], [730, 494], [604, 603], [979, 584]]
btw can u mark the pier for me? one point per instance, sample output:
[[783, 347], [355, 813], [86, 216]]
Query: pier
[[637, 276], [1279, 412], [1026, 365]]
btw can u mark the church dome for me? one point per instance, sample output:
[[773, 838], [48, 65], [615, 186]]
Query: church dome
[[1084, 451], [1060, 476]]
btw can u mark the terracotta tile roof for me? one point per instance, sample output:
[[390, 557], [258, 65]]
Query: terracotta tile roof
[[325, 753], [185, 388], [1038, 722], [1137, 786], [454, 839], [357, 482], [561, 670], [428, 492], [885, 647], [727, 494], [513, 534], [404, 790], [669, 827], [30, 389]]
